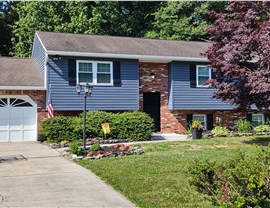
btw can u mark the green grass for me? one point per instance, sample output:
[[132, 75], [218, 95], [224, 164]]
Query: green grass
[[159, 178]]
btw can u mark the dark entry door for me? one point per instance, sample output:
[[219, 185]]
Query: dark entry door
[[151, 106]]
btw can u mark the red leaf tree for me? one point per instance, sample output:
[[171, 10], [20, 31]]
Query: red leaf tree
[[240, 54]]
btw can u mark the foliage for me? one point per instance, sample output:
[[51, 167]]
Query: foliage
[[94, 119], [242, 181], [58, 129], [243, 126], [240, 54], [262, 128], [220, 131], [8, 16], [184, 20], [136, 126], [122, 18], [76, 148], [95, 147], [56, 16], [196, 125]]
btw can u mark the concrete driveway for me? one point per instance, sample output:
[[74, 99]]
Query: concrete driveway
[[34, 175]]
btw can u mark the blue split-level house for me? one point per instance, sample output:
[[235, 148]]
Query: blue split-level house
[[163, 78]]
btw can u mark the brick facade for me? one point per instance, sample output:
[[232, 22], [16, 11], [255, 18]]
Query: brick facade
[[154, 78], [38, 96]]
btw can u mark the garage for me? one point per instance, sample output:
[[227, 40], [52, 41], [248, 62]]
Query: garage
[[18, 118]]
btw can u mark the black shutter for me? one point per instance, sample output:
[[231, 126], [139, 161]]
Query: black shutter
[[213, 74], [267, 118], [192, 71], [189, 120], [249, 117], [72, 72], [116, 73], [210, 121]]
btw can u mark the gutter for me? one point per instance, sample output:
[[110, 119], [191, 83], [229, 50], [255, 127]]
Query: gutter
[[22, 88], [142, 58]]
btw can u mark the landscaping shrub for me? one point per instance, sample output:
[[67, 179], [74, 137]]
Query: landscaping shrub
[[243, 126], [220, 131], [57, 129], [136, 126], [95, 147], [242, 181], [262, 128], [94, 119], [76, 148]]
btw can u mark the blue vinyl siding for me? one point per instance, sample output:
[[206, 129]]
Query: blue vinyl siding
[[38, 53], [65, 97], [183, 97]]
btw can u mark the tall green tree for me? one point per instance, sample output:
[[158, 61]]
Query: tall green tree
[[7, 18], [57, 16], [183, 20], [128, 18]]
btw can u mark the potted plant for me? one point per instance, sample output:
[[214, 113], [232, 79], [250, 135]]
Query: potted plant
[[197, 129]]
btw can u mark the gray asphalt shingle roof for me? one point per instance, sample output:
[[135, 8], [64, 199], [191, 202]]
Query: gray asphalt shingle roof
[[68, 42], [19, 72]]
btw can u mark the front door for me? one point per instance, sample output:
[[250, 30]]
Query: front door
[[151, 106]]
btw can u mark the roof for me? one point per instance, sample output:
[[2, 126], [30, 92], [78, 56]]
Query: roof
[[68, 42], [19, 72]]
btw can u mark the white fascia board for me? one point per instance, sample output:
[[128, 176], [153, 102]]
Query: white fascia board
[[142, 58], [22, 88]]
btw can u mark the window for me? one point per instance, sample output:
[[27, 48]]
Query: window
[[203, 75], [94, 72], [201, 118], [257, 119]]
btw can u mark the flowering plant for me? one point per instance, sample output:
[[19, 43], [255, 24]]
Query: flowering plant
[[197, 125]]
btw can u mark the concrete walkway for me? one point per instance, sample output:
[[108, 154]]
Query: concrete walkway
[[34, 175]]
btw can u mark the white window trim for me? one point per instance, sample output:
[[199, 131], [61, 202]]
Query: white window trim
[[197, 75], [259, 114], [94, 71], [205, 121]]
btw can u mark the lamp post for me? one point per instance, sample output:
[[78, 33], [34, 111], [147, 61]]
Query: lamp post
[[86, 92]]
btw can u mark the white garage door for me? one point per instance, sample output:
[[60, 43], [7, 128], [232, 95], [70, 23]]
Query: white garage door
[[17, 119]]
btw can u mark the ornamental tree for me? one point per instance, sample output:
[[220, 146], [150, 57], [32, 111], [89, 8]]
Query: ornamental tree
[[240, 54]]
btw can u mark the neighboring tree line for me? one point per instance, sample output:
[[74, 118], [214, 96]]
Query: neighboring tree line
[[150, 19]]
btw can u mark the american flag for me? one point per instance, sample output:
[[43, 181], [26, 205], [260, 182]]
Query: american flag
[[50, 109]]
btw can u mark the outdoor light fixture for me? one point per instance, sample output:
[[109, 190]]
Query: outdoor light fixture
[[87, 92]]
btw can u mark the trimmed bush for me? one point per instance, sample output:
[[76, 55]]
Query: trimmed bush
[[58, 129], [262, 128], [243, 126], [94, 119], [242, 181], [220, 131], [95, 147], [135, 126]]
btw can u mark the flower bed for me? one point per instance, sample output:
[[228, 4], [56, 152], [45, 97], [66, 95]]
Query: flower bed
[[114, 150]]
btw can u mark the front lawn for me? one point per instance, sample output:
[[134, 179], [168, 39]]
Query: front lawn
[[159, 178]]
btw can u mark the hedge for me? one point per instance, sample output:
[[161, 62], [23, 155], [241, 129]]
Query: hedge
[[135, 126]]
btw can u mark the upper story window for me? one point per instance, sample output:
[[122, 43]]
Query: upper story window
[[201, 118], [94, 72], [203, 75], [257, 119]]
